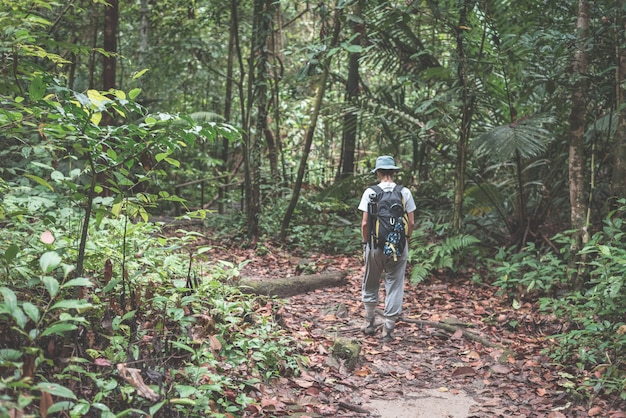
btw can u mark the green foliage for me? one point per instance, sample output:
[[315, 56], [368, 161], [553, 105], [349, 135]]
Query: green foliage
[[592, 345], [149, 310], [433, 250], [529, 272]]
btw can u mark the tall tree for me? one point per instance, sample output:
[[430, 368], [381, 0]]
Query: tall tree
[[321, 89], [257, 99], [577, 119], [350, 117], [109, 59], [466, 118], [619, 169]]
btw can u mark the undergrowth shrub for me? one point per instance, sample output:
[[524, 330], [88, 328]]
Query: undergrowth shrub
[[591, 347], [434, 249], [150, 329]]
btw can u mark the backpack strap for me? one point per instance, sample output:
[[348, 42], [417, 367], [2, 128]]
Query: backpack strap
[[377, 189]]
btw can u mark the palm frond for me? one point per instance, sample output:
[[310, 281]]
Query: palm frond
[[527, 138]]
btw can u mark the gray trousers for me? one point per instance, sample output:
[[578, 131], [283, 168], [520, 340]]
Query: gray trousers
[[377, 264]]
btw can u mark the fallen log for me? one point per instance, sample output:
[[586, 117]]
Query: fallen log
[[290, 286]]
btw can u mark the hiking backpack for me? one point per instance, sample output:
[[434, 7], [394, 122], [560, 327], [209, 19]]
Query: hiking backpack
[[387, 224]]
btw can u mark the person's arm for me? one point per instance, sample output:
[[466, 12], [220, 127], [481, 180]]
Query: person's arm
[[410, 226], [364, 227]]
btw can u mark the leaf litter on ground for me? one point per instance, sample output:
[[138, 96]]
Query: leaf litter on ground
[[503, 370]]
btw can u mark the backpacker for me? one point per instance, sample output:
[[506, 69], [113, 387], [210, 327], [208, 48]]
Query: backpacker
[[387, 225]]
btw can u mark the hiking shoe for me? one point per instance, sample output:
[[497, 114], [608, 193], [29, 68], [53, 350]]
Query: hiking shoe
[[387, 337], [370, 329]]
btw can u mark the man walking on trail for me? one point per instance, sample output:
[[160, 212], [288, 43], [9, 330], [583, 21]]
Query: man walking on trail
[[385, 257]]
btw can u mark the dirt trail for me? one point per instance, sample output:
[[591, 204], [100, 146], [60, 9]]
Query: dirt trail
[[425, 371]]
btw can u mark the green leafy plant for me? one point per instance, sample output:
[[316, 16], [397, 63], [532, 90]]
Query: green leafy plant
[[530, 272], [442, 253]]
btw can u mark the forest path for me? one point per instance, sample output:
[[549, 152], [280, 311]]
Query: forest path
[[426, 371]]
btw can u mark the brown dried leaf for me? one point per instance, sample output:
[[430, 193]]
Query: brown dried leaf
[[45, 404], [133, 377], [464, 371]]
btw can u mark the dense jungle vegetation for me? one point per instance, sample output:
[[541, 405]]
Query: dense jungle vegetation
[[131, 131]]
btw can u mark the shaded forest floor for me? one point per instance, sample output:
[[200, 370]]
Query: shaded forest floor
[[459, 345]]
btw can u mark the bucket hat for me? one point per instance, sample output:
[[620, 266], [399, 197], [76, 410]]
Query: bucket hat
[[385, 162]]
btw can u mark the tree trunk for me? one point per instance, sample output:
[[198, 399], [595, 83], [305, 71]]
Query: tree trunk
[[144, 35], [110, 44], [349, 132], [228, 100], [274, 45], [258, 78], [577, 130], [619, 169], [309, 135], [466, 120]]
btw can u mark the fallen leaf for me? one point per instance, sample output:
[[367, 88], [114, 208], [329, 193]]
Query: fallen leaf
[[47, 237], [133, 377], [464, 371], [102, 362], [500, 369], [45, 403], [596, 410]]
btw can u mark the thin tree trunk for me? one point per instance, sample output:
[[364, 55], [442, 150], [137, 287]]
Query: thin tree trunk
[[144, 39], [348, 134], [619, 169], [228, 101], [577, 130], [466, 120], [309, 135], [272, 76], [258, 98], [110, 44]]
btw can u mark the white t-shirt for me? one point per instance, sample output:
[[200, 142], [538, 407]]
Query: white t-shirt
[[409, 203]]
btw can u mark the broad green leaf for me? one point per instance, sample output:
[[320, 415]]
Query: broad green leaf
[[156, 407], [354, 48], [98, 98], [139, 74], [96, 118], [173, 162], [55, 389], [134, 93], [49, 261], [80, 409], [9, 354], [59, 329], [60, 407], [183, 346], [11, 252], [10, 299], [52, 285], [72, 304], [37, 89], [79, 281], [31, 310], [161, 156], [19, 317], [39, 180], [186, 391]]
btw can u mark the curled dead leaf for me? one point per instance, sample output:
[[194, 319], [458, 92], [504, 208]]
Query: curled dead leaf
[[133, 377], [45, 403]]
